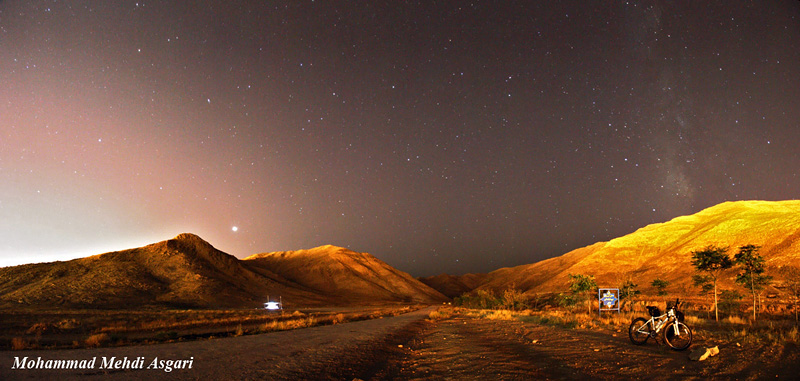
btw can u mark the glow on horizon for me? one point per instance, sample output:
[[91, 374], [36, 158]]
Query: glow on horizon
[[63, 255]]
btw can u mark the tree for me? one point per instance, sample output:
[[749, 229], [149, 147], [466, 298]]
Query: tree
[[791, 278], [628, 290], [660, 285], [585, 285], [712, 260], [751, 264], [704, 282]]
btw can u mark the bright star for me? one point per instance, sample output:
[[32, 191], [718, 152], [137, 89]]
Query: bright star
[[235, 228]]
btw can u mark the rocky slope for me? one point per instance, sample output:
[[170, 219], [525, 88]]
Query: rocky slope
[[345, 276]]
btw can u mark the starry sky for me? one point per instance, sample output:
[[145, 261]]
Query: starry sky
[[439, 136]]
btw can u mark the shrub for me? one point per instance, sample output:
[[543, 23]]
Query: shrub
[[660, 285], [167, 335], [566, 300], [730, 301], [68, 324], [482, 299], [514, 300], [792, 335], [38, 328]]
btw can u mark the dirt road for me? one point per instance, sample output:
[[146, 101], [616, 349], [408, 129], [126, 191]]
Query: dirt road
[[413, 347], [470, 348], [324, 351]]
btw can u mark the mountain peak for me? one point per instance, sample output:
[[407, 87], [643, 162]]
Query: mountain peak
[[189, 237], [189, 240], [330, 249]]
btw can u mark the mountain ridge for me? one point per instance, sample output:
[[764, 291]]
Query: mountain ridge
[[188, 272]]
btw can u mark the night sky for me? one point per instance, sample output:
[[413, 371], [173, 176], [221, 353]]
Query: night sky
[[439, 136]]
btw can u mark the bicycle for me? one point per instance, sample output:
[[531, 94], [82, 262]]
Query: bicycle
[[670, 324]]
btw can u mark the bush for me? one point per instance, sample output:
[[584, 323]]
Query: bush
[[482, 299], [566, 300], [514, 300], [38, 328]]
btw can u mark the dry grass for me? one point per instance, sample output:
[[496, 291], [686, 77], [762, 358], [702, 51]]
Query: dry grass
[[286, 325], [19, 344], [500, 315], [70, 328], [765, 332], [97, 340], [734, 319], [441, 313], [692, 320], [733, 328]]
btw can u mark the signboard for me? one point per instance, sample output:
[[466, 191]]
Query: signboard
[[609, 299]]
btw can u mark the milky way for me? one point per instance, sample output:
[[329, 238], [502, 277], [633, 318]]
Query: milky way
[[438, 137]]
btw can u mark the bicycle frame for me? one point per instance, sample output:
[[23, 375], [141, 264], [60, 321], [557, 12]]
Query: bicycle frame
[[659, 322], [676, 334]]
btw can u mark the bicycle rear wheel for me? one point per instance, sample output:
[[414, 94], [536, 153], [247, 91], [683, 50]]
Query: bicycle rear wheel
[[680, 339], [639, 331]]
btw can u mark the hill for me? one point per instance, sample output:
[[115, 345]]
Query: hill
[[454, 285], [663, 250], [183, 272], [345, 276]]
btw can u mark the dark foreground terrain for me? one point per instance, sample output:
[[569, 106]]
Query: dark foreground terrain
[[413, 346]]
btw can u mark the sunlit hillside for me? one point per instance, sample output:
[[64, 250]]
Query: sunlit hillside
[[664, 250]]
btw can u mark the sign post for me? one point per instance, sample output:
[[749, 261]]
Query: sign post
[[609, 300]]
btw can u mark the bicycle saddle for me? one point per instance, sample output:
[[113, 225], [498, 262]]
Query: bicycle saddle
[[654, 311]]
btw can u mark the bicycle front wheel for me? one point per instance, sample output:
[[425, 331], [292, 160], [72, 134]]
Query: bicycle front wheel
[[678, 336], [639, 331]]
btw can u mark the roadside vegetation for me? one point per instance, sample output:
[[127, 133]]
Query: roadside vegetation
[[713, 313], [88, 329], [734, 326]]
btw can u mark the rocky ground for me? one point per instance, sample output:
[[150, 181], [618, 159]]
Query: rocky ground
[[412, 346]]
